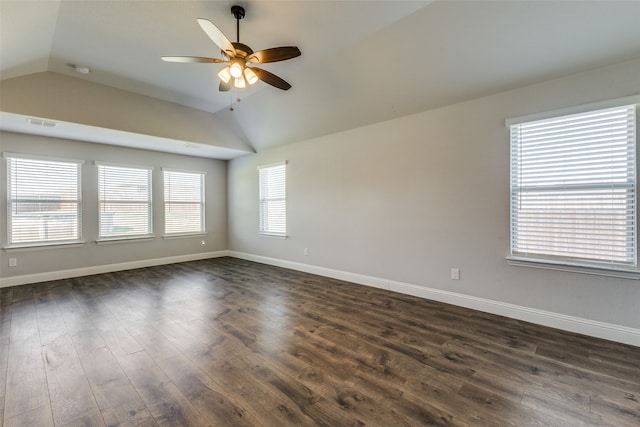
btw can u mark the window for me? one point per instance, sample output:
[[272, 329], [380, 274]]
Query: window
[[124, 198], [273, 201], [43, 201], [183, 202], [573, 189]]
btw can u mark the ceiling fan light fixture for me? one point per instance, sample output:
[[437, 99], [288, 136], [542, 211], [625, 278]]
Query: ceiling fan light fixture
[[225, 74], [235, 69], [237, 55], [251, 77], [240, 83]]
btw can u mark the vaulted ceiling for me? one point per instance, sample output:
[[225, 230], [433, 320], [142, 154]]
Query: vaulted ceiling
[[362, 61]]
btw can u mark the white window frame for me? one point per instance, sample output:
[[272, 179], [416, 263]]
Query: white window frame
[[265, 200], [168, 201], [114, 237], [11, 200], [628, 269]]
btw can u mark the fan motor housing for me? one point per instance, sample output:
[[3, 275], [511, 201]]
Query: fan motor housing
[[242, 50]]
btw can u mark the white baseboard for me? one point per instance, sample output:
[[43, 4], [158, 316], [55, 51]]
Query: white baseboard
[[608, 331], [313, 269], [108, 268]]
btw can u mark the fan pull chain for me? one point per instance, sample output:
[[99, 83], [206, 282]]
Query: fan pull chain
[[231, 99]]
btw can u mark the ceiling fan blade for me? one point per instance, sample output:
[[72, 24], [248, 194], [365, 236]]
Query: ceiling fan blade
[[274, 54], [225, 87], [217, 36], [191, 59], [271, 78]]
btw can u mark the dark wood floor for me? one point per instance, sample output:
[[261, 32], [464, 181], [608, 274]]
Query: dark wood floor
[[228, 342]]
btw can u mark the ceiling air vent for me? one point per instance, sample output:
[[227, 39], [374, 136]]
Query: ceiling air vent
[[40, 122]]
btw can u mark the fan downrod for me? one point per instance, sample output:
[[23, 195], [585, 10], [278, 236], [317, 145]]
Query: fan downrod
[[238, 12]]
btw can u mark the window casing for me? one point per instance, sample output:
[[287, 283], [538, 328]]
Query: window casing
[[573, 189], [273, 199], [184, 202], [124, 199], [44, 201]]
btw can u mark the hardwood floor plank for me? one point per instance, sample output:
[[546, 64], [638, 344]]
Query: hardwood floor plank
[[78, 321], [26, 384], [618, 412], [4, 363], [233, 376], [505, 410], [561, 412], [69, 392], [154, 343], [580, 358], [361, 404], [40, 417], [218, 405], [164, 401], [114, 393], [91, 420], [71, 395]]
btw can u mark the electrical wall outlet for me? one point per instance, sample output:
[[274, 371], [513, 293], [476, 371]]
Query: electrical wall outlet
[[306, 251], [455, 274], [13, 262]]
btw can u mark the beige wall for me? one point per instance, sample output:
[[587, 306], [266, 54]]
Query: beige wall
[[35, 261], [54, 96], [408, 199]]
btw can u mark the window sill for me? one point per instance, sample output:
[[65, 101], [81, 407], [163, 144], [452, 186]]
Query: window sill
[[184, 235], [109, 241], [273, 235], [42, 246], [613, 271]]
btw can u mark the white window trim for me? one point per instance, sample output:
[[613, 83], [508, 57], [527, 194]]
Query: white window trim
[[591, 268], [122, 165], [181, 234], [270, 165], [273, 235], [6, 155], [546, 264], [121, 239], [10, 247], [184, 171], [584, 108], [184, 235], [110, 240], [39, 246]]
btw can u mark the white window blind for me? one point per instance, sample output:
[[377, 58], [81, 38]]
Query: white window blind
[[273, 202], [44, 201], [573, 188], [183, 202], [124, 197]]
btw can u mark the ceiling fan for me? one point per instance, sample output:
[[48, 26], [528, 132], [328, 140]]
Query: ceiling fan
[[238, 55]]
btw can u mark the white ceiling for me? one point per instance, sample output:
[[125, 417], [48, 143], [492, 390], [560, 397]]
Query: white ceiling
[[362, 61]]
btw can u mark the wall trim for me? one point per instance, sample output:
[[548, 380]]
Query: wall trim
[[360, 279], [608, 331], [107, 268]]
